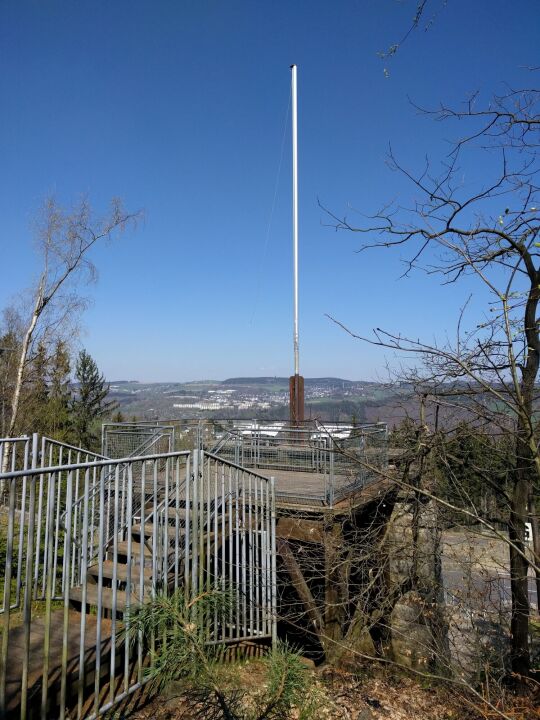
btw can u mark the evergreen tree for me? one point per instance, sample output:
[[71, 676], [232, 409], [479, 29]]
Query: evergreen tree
[[90, 403], [36, 393], [8, 353], [60, 396], [473, 472], [118, 417]]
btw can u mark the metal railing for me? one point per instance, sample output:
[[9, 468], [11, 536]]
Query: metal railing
[[77, 561], [153, 442], [14, 453], [33, 453], [311, 462], [314, 462], [120, 440], [238, 505]]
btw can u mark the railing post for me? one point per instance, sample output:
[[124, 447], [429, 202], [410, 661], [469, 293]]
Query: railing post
[[65, 624], [273, 608], [201, 523], [27, 608], [39, 518], [7, 593], [84, 581], [332, 476], [194, 523], [199, 436], [49, 570], [27, 459]]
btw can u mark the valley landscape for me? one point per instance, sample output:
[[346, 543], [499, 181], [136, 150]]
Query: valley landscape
[[266, 398]]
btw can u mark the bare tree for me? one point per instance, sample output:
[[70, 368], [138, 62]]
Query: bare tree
[[424, 17], [64, 241], [492, 234]]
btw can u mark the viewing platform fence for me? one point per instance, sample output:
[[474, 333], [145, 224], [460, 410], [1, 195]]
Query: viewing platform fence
[[315, 462], [310, 462]]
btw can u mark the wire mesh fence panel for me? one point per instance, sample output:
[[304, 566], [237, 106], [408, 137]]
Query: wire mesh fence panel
[[122, 440]]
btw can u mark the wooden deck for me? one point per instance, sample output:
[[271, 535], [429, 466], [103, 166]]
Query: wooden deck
[[307, 490], [302, 484]]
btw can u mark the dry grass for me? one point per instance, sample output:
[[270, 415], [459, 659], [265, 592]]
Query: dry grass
[[341, 695]]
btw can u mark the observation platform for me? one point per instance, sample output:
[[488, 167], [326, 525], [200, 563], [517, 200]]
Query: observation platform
[[314, 464], [304, 490]]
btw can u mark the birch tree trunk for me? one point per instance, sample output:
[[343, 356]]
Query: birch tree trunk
[[38, 308], [65, 237]]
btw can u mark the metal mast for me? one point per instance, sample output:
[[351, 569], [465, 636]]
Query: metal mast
[[296, 382], [295, 213]]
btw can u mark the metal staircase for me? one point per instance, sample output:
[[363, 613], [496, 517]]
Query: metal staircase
[[88, 541]]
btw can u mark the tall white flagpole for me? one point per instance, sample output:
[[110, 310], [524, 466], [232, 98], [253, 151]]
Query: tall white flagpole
[[295, 215]]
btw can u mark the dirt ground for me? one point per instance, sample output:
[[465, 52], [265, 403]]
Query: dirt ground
[[341, 695]]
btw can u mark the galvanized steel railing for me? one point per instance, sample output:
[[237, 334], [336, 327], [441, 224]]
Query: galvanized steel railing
[[157, 522], [33, 453], [344, 457], [120, 440], [315, 462], [244, 515], [14, 453], [159, 441]]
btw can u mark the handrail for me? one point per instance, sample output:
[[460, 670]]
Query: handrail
[[95, 463], [111, 460], [118, 462], [120, 465], [235, 465], [181, 552], [226, 437], [62, 444]]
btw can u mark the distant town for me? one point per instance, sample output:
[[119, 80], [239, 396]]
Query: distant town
[[261, 397]]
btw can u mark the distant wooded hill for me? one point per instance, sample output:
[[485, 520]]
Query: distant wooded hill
[[331, 381]]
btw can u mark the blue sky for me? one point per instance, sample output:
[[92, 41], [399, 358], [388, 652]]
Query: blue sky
[[180, 109]]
